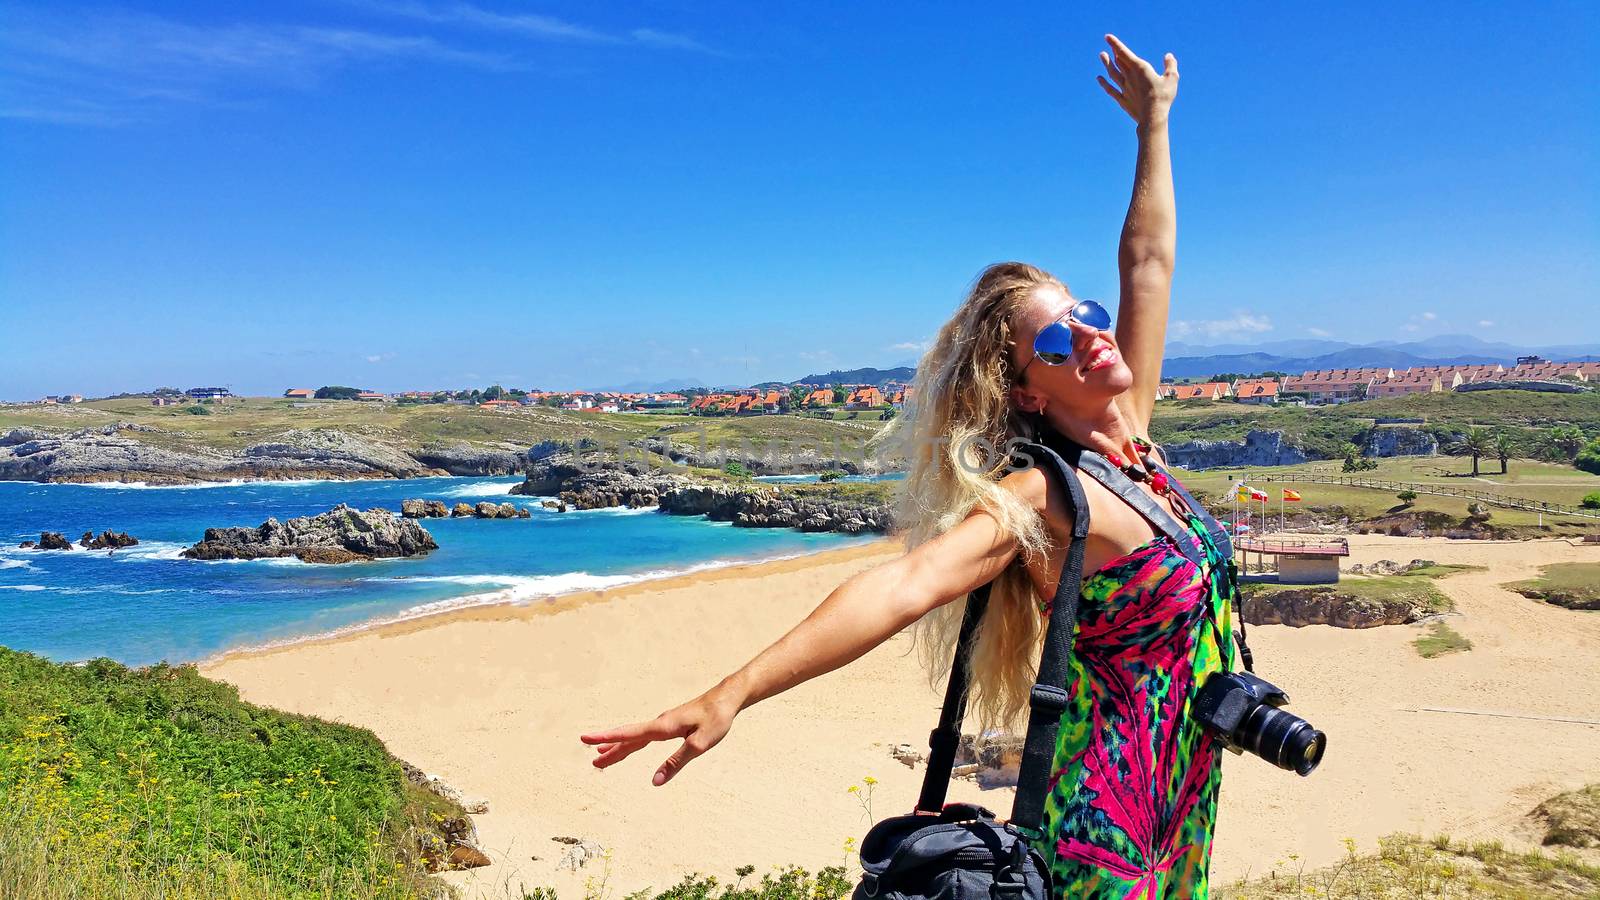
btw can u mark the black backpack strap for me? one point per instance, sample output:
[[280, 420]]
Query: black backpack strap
[[946, 737], [1049, 697]]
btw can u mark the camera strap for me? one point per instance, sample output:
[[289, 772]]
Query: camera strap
[[1187, 543]]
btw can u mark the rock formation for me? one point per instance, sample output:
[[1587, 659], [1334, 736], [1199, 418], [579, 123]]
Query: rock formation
[[424, 509], [1259, 448], [53, 540], [106, 540], [1327, 606], [342, 534]]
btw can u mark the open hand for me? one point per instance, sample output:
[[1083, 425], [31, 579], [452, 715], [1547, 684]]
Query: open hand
[[702, 723], [1138, 88]]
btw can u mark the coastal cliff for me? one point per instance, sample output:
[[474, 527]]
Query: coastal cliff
[[599, 481], [118, 453]]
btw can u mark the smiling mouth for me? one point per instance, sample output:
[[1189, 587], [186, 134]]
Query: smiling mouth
[[1104, 356]]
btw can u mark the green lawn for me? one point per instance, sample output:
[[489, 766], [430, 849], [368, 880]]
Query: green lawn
[[1439, 640], [1573, 585], [1525, 478]]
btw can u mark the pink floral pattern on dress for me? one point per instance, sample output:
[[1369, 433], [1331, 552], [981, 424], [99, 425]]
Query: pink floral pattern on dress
[[1133, 791]]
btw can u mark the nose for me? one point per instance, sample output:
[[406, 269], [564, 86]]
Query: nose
[[1082, 335]]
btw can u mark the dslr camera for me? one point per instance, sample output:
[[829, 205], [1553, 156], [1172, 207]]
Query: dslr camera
[[1247, 713]]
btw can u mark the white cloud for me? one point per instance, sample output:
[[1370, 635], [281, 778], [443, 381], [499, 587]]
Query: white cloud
[[1239, 323], [1318, 332], [1429, 316], [911, 346], [815, 355], [1410, 327], [107, 68], [379, 357], [532, 26], [1485, 323]]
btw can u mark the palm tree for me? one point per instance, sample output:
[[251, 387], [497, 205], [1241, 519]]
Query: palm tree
[[1561, 443], [1476, 443], [1504, 447]]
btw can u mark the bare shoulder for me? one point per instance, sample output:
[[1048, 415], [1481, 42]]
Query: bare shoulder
[[1030, 486]]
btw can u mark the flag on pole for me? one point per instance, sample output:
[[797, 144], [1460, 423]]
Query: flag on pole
[[1258, 495], [1291, 496], [1245, 493]]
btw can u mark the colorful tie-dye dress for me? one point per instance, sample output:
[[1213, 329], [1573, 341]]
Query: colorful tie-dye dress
[[1133, 788]]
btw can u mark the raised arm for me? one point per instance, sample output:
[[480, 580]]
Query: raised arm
[[860, 614], [1147, 252]]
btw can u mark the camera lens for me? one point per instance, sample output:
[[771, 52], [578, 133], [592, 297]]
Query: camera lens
[[1282, 738]]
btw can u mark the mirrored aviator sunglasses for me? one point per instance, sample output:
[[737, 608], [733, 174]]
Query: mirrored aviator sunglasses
[[1053, 345]]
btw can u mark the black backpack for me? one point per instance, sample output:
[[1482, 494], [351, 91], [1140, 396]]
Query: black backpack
[[959, 851]]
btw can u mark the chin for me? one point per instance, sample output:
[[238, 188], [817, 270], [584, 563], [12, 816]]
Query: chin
[[1113, 379]]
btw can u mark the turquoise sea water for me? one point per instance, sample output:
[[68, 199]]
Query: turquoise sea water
[[146, 603]]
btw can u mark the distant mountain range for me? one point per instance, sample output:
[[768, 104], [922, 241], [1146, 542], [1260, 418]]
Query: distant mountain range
[[1201, 360], [867, 375], [1198, 361]]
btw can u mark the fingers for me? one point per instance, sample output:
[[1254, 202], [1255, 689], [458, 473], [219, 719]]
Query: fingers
[[1115, 94], [1169, 66], [657, 729], [1126, 57], [691, 747], [1111, 69], [610, 754]]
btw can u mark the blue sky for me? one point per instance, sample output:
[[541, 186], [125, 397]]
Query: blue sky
[[425, 193]]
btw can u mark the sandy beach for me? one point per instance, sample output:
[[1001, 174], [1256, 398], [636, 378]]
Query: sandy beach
[[492, 699]]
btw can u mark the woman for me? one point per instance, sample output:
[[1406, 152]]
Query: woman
[[1135, 778]]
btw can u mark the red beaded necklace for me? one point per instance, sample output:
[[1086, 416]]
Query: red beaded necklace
[[1144, 469]]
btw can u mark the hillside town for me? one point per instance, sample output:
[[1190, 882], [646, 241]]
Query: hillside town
[[1311, 388]]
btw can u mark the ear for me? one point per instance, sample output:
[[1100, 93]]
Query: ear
[[1026, 400]]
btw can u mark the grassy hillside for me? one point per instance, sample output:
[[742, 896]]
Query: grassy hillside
[[1322, 431], [158, 783], [236, 424]]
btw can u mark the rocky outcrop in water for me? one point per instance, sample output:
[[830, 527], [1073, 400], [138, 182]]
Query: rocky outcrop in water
[[342, 534], [600, 483], [1326, 606], [107, 540], [53, 540], [767, 507], [1259, 448], [424, 509]]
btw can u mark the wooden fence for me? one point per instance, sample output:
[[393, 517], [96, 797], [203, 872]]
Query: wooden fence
[[1437, 490]]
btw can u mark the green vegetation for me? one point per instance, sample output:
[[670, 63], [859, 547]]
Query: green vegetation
[[159, 783], [786, 883], [1591, 501], [197, 410], [1572, 819], [1439, 640], [337, 392], [1572, 585], [1530, 479], [1406, 866], [1542, 423], [1588, 459], [1477, 443], [735, 469], [1407, 498]]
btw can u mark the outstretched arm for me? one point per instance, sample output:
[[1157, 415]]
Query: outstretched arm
[[860, 614], [1147, 252]]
